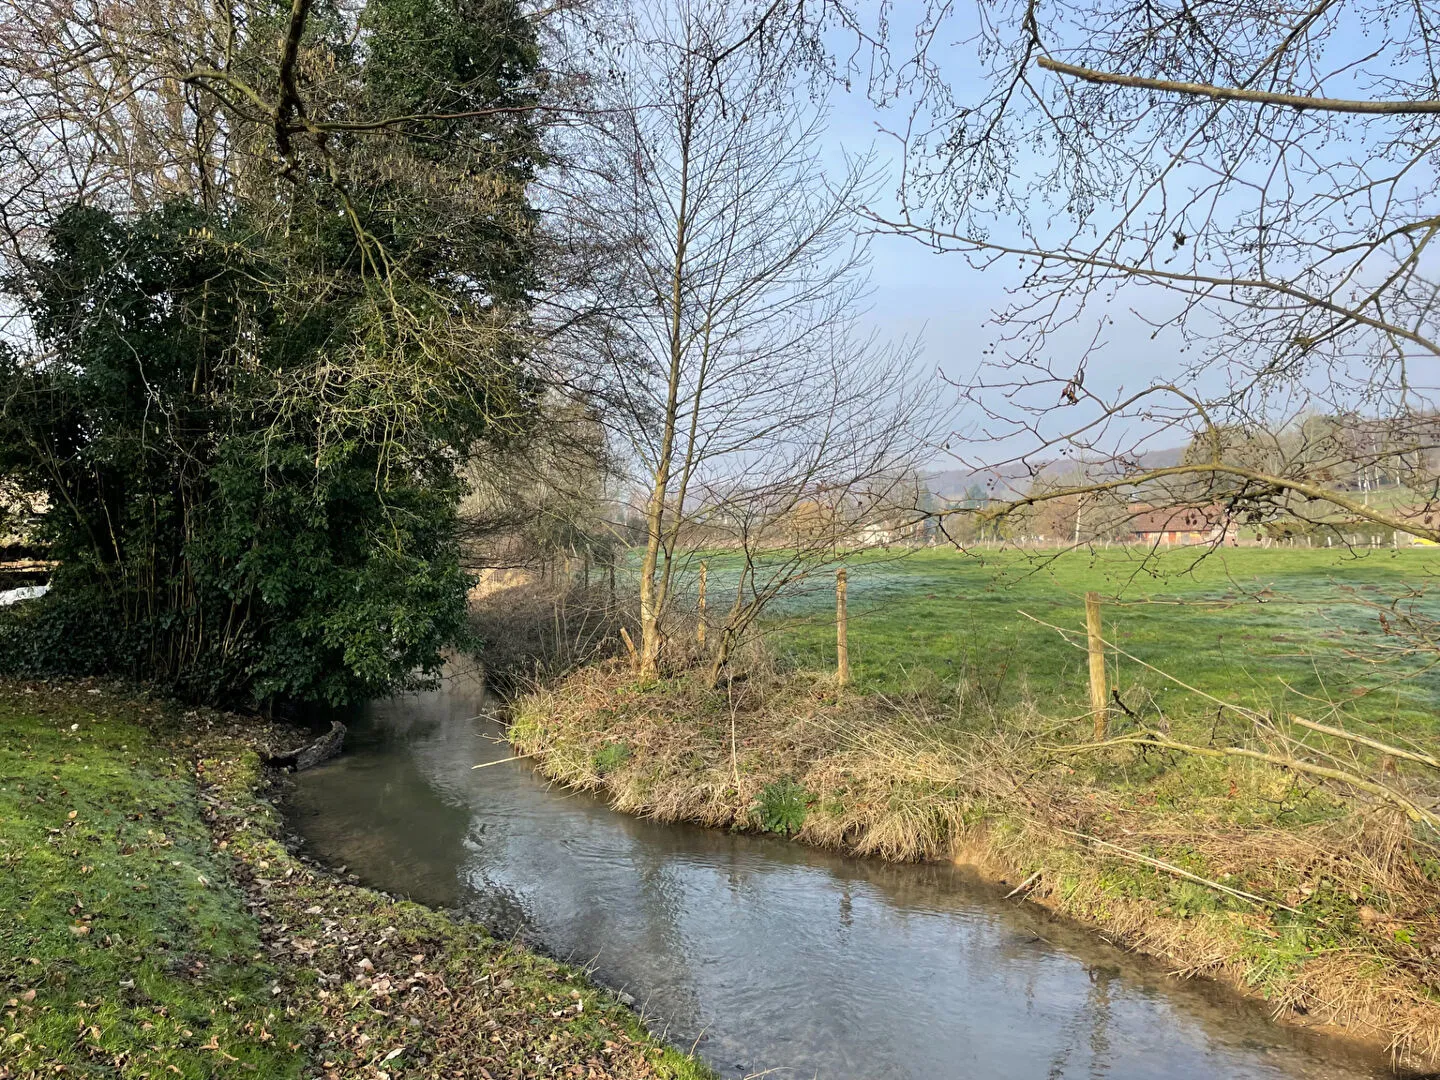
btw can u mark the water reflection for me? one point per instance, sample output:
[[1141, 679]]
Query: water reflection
[[768, 954]]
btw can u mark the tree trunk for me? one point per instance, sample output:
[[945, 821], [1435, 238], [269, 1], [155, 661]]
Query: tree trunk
[[652, 593], [312, 753], [728, 633]]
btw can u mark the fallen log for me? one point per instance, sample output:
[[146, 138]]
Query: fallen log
[[312, 753]]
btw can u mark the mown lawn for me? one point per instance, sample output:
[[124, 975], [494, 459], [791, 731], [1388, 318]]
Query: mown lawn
[[1289, 630]]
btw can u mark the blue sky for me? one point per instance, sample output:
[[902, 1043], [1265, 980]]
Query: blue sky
[[945, 303], [943, 299]]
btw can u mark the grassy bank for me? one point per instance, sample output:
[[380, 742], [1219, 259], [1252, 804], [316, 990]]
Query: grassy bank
[[1273, 882], [152, 924]]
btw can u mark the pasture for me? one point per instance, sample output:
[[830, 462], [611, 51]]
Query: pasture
[[1291, 630]]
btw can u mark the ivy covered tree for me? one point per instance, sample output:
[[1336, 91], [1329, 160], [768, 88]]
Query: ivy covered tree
[[247, 402]]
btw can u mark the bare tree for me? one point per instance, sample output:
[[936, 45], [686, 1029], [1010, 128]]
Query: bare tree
[[257, 112], [843, 463], [545, 501], [733, 289], [1256, 182]]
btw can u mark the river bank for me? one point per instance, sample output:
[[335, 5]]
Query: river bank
[[156, 924], [1227, 869]]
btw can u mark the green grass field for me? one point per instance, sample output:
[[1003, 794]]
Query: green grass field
[[123, 950], [1289, 630], [967, 736]]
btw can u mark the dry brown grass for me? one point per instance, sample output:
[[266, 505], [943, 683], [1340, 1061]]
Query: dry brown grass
[[1348, 930], [889, 790], [529, 628]]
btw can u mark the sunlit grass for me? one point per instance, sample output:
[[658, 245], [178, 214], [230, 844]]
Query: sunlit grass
[[129, 947], [123, 950], [1283, 629]]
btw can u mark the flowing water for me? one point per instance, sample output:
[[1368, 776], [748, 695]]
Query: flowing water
[[765, 954]]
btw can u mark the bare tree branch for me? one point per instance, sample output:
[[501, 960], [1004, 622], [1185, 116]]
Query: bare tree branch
[[1238, 93]]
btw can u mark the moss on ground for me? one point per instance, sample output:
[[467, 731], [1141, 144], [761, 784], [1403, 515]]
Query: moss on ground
[[152, 924]]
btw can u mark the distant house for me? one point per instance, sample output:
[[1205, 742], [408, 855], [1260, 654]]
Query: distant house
[[1183, 525], [895, 530], [22, 562]]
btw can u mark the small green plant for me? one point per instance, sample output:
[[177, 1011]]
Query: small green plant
[[1271, 960], [782, 806], [610, 757], [1188, 900]]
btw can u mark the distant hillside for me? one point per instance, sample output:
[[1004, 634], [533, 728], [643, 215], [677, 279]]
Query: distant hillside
[[1161, 459], [953, 485], [1013, 481]]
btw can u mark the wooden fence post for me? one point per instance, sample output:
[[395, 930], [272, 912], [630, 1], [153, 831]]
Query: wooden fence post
[[700, 625], [842, 646], [1099, 697]]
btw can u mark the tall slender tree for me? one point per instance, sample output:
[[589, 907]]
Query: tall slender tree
[[731, 294]]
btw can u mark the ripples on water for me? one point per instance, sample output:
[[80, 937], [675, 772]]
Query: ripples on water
[[763, 953]]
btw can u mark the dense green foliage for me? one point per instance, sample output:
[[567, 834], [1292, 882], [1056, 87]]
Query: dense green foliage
[[782, 806], [247, 412]]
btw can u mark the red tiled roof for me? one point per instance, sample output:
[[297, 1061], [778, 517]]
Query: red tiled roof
[[1178, 519]]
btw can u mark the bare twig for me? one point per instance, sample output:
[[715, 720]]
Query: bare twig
[[1374, 744], [1025, 885]]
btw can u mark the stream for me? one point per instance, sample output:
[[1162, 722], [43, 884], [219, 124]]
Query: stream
[[761, 953]]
